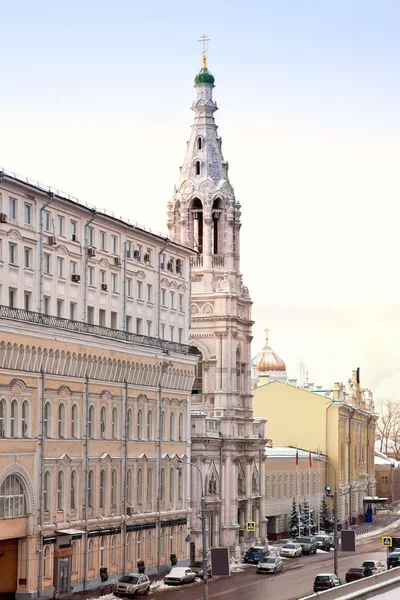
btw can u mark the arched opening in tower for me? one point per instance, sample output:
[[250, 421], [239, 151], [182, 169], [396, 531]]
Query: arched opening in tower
[[197, 225], [217, 226], [238, 371], [198, 379]]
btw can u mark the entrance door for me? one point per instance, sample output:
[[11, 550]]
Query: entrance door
[[8, 569], [65, 576]]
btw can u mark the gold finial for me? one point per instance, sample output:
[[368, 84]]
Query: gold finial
[[204, 39]]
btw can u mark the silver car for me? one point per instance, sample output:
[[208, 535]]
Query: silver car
[[270, 564], [179, 576], [132, 584]]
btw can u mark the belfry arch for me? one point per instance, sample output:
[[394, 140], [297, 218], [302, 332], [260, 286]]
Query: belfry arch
[[196, 224], [217, 226]]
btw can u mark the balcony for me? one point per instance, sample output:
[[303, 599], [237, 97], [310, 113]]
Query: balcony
[[217, 262]]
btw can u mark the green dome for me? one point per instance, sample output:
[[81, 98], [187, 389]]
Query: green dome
[[204, 76]]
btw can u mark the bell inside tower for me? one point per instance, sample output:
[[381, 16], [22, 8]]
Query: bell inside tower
[[197, 225]]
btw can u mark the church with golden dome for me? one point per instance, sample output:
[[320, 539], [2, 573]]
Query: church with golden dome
[[267, 365]]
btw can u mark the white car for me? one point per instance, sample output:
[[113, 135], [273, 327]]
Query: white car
[[132, 584], [375, 565], [179, 576], [291, 550]]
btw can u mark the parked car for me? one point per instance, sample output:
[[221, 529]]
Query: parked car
[[375, 565], [308, 544], [291, 550], [197, 567], [354, 574], [179, 576], [326, 581], [131, 584], [324, 542], [270, 564], [255, 553], [393, 559]]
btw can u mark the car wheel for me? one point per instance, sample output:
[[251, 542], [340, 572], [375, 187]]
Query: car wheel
[[147, 591]]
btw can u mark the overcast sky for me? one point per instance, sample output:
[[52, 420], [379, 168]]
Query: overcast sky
[[95, 100]]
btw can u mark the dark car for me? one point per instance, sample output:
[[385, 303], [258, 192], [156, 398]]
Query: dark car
[[308, 544], [255, 554], [354, 574], [394, 559], [326, 581], [324, 542], [197, 567]]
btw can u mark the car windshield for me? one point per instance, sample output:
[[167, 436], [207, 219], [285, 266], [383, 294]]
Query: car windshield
[[322, 578], [320, 538], [270, 560], [291, 546], [129, 579], [303, 539], [368, 563], [255, 549]]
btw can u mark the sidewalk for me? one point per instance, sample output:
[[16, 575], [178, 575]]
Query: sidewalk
[[381, 520]]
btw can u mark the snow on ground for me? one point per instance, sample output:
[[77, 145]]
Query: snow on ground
[[379, 529], [108, 597]]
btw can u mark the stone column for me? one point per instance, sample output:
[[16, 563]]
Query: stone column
[[229, 361], [224, 361], [218, 366]]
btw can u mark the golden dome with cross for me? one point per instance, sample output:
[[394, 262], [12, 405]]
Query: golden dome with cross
[[267, 360]]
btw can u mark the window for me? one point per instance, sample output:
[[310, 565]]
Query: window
[[60, 308], [27, 258], [140, 250], [128, 249], [113, 320], [102, 317], [90, 236], [60, 226], [47, 562], [46, 306], [149, 257], [46, 220], [90, 314], [60, 491], [149, 325], [162, 541], [72, 310], [12, 297], [75, 557], [172, 299], [199, 143], [180, 427], [114, 244], [103, 551], [172, 427], [73, 490], [148, 544], [128, 324], [24, 421], [103, 276], [172, 332], [91, 423], [129, 487], [91, 554], [74, 421], [128, 548], [140, 290], [12, 253], [46, 492], [180, 495], [90, 488], [129, 287], [74, 231], [129, 425], [114, 487], [162, 485], [103, 422], [27, 300], [2, 418], [91, 276], [12, 208], [138, 544], [114, 560], [12, 498], [149, 485], [114, 282], [102, 488], [114, 424], [139, 486], [60, 266], [139, 326], [163, 297], [73, 267], [198, 167], [149, 293], [149, 425], [172, 485], [162, 326], [27, 214], [14, 419], [162, 432], [140, 425], [47, 420], [103, 240], [162, 261], [47, 263], [61, 421], [181, 302], [180, 335]]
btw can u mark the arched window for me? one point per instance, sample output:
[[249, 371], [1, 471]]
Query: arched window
[[115, 423], [103, 551], [180, 539], [46, 492], [180, 481], [129, 424], [139, 486], [140, 424], [114, 552], [47, 562], [114, 487], [172, 426], [47, 420], [60, 491], [75, 555], [149, 425], [149, 485], [162, 485], [102, 488], [199, 143], [196, 224], [238, 372], [91, 423], [128, 547], [138, 544], [198, 379], [74, 421], [73, 490], [180, 427], [12, 498], [149, 544], [14, 419], [172, 485], [91, 551], [2, 418], [129, 487], [103, 422], [90, 488], [162, 541], [61, 421], [25, 419], [198, 167], [162, 425]]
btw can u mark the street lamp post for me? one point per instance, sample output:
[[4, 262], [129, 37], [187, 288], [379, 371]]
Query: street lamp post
[[335, 520], [203, 530]]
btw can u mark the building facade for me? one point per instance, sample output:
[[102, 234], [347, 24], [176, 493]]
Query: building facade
[[387, 475], [227, 443], [95, 383]]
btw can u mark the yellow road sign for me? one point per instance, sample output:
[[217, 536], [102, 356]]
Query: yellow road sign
[[386, 541], [250, 526]]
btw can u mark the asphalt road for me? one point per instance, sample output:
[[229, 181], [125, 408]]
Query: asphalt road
[[293, 583]]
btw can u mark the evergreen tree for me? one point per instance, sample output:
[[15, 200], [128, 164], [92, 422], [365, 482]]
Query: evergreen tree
[[294, 520], [307, 519], [326, 519]]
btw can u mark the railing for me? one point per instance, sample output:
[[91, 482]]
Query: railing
[[196, 261], [28, 316], [218, 260]]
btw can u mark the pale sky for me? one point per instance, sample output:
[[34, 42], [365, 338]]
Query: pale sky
[[95, 101]]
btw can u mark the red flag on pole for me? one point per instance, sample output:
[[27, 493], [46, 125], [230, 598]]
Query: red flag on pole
[[309, 458], [297, 458]]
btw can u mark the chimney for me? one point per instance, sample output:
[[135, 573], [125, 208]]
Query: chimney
[[292, 382], [336, 391]]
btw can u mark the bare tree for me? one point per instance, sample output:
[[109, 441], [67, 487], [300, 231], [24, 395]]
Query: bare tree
[[388, 426]]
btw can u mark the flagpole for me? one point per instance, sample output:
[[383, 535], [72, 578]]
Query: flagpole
[[318, 492], [309, 493], [298, 489]]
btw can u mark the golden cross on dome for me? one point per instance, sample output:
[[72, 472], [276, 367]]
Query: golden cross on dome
[[204, 39]]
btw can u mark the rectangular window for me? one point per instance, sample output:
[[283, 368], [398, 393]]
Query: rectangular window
[[46, 220], [162, 261], [27, 301], [163, 297], [172, 298], [27, 258], [12, 297], [46, 305], [149, 256], [91, 276], [103, 240], [149, 293], [128, 323], [149, 324], [28, 214], [90, 236], [72, 310], [103, 276], [113, 320], [60, 226], [163, 331], [12, 208], [139, 326], [60, 266], [60, 308], [90, 314], [102, 317], [172, 332], [114, 244], [140, 290], [114, 282], [180, 335], [74, 231], [12, 253], [128, 249], [73, 267], [47, 263], [140, 250], [181, 302], [129, 287]]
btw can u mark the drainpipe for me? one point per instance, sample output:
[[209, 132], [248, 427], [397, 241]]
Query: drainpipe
[[167, 241], [41, 243], [41, 499], [86, 260], [124, 498], [86, 474], [368, 461], [349, 469]]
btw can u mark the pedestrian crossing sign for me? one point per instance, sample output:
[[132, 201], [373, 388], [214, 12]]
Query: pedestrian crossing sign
[[250, 526], [386, 541]]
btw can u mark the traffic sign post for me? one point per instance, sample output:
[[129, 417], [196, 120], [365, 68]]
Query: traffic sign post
[[250, 526], [386, 541]]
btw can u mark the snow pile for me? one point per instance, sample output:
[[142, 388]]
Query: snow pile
[[108, 597], [237, 565], [160, 586]]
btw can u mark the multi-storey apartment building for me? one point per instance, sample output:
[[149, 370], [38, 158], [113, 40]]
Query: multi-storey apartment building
[[95, 377]]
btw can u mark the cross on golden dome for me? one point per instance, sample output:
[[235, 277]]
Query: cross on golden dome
[[204, 39]]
